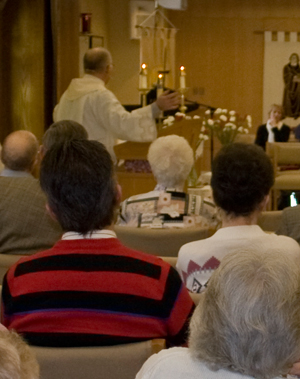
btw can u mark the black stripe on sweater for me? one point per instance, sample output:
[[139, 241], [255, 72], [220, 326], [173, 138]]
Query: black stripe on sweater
[[114, 302], [78, 339], [89, 263]]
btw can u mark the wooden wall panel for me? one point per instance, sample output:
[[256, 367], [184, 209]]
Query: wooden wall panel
[[39, 52], [4, 87], [22, 24], [221, 44]]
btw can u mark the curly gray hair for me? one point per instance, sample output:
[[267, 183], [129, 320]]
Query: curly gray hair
[[248, 320]]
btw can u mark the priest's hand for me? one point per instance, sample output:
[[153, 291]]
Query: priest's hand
[[167, 101]]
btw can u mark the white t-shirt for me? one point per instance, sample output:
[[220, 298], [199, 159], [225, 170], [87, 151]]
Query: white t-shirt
[[197, 260]]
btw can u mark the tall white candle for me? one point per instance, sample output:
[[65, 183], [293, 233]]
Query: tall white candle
[[182, 77], [160, 87], [143, 77]]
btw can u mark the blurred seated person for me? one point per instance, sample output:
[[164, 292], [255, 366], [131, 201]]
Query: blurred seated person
[[19, 154], [171, 159], [297, 132], [246, 324], [89, 289], [242, 176], [290, 223], [25, 225], [61, 131], [274, 130], [58, 132]]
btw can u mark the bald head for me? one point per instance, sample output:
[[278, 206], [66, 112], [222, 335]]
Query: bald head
[[19, 151], [96, 60]]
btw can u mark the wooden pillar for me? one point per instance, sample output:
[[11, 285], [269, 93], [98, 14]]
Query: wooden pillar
[[65, 28], [39, 55]]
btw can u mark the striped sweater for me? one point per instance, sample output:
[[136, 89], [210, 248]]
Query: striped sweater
[[93, 292]]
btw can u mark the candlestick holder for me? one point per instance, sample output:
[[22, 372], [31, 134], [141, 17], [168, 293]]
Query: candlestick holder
[[182, 91], [144, 92]]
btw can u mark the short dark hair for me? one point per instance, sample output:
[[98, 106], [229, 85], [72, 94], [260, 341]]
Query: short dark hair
[[242, 175], [78, 179], [62, 131]]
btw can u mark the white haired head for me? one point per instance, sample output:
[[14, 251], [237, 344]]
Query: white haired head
[[171, 160], [248, 320], [17, 360]]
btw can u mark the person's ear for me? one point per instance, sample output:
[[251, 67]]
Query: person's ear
[[42, 152], [108, 69], [50, 212], [118, 194], [263, 205]]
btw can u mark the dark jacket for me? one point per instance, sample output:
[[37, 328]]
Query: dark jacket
[[281, 135]]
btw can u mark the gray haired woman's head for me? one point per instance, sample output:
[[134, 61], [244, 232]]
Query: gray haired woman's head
[[248, 320]]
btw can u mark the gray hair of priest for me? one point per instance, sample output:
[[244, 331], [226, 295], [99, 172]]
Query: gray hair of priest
[[171, 159], [96, 60], [248, 320]]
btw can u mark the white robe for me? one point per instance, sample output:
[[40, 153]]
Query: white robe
[[91, 104]]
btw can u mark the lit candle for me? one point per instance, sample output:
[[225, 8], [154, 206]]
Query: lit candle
[[160, 85], [182, 77], [143, 78]]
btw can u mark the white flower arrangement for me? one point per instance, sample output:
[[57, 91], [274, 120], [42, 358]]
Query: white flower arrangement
[[224, 125], [169, 121]]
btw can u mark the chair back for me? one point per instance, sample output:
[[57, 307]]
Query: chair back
[[171, 260], [286, 154], [245, 138], [269, 221], [6, 261], [270, 149], [164, 242], [105, 362]]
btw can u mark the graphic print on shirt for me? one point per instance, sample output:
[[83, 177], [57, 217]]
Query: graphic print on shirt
[[197, 277]]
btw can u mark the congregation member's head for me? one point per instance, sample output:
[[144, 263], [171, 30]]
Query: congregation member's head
[[17, 361], [78, 179], [242, 176], [276, 113], [248, 320], [61, 131], [171, 159], [19, 151], [98, 62]]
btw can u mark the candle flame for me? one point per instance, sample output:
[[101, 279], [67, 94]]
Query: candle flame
[[182, 68], [160, 76], [143, 66]]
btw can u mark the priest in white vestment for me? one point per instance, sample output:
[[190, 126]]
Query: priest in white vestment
[[90, 103]]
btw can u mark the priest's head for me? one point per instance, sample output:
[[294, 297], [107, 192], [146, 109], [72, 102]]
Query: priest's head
[[98, 62]]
